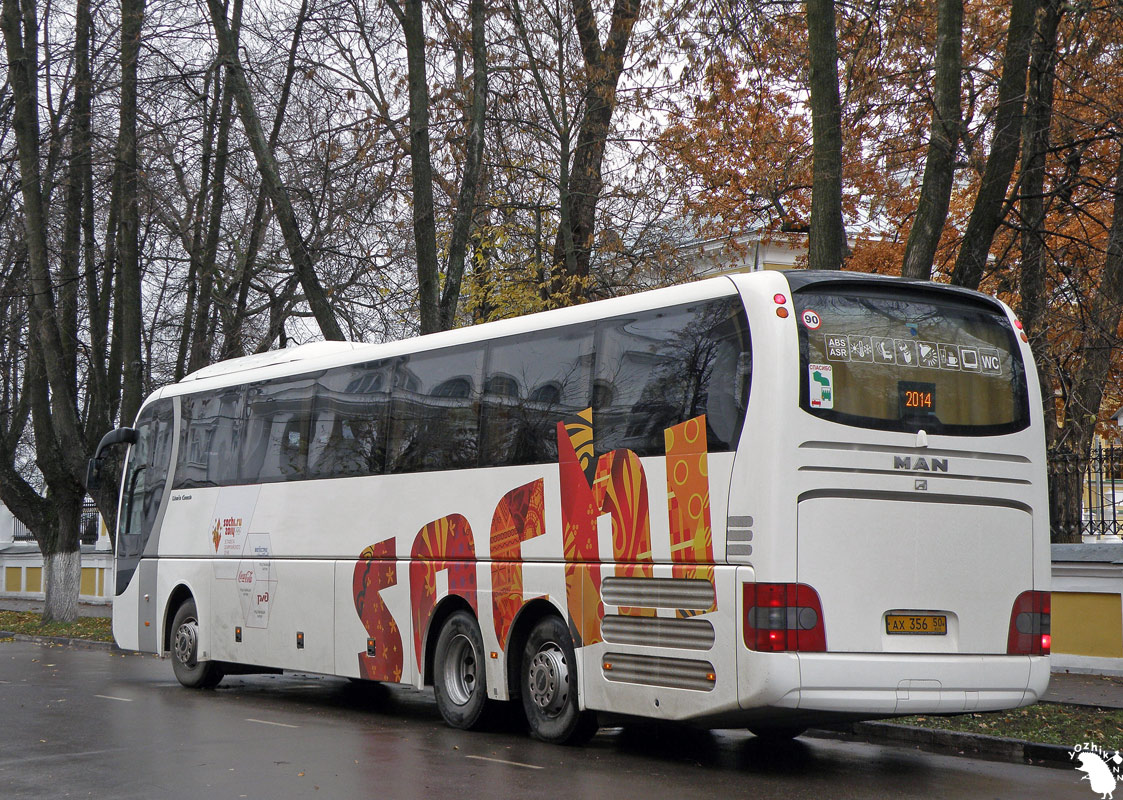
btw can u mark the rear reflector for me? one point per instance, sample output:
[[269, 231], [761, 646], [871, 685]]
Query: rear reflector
[[1030, 634], [782, 617]]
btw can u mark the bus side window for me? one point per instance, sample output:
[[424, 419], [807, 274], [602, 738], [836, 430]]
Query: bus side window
[[435, 415], [727, 395], [533, 382], [276, 430], [350, 417], [211, 439], [659, 368]]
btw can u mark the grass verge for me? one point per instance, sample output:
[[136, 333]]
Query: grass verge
[[98, 629], [1047, 723]]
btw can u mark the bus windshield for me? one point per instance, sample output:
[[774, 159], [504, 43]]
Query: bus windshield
[[908, 361]]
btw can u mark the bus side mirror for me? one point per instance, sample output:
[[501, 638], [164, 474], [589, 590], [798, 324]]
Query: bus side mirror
[[93, 474], [114, 437]]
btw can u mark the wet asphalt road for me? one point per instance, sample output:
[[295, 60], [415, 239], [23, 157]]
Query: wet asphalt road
[[89, 723]]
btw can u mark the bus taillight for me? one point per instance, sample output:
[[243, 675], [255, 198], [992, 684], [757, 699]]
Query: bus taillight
[[783, 617], [1030, 634]]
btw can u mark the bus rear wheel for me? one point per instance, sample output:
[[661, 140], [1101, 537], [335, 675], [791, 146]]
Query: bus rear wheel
[[189, 670], [548, 684], [459, 682]]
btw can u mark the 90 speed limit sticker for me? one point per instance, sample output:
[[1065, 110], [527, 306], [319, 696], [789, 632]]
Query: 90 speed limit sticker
[[811, 319]]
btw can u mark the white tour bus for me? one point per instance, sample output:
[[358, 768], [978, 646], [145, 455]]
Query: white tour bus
[[766, 501]]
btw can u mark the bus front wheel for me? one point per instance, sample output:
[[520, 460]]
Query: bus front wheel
[[549, 686], [458, 675], [189, 670]]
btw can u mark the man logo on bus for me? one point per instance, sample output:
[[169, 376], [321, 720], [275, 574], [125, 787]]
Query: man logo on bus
[[920, 464]]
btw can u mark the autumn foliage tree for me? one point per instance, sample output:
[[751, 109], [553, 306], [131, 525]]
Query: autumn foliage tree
[[986, 137]]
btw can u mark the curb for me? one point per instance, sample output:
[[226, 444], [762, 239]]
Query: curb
[[82, 644], [956, 743]]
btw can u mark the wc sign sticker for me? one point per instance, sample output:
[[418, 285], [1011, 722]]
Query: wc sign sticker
[[820, 383]]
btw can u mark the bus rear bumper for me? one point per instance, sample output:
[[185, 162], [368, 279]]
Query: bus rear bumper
[[878, 685]]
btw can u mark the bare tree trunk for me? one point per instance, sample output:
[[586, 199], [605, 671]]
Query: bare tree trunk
[[101, 397], [20, 31], [314, 293], [58, 543], [1067, 445], [1038, 119], [939, 167], [411, 16], [470, 183], [1066, 486], [437, 308], [827, 237], [62, 569], [203, 343], [232, 345], [604, 64], [132, 16], [990, 202], [565, 256], [195, 301], [59, 440]]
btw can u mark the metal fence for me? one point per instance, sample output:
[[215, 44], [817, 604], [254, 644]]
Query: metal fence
[[87, 530], [20, 533], [1102, 495]]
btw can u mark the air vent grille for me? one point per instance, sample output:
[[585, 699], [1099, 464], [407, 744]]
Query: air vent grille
[[686, 593], [688, 634], [673, 673]]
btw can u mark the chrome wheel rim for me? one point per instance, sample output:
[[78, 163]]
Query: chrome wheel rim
[[548, 679], [187, 642], [461, 672]]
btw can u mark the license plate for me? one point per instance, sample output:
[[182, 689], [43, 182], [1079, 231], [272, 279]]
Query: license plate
[[916, 624]]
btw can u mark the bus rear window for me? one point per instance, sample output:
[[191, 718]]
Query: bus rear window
[[909, 361]]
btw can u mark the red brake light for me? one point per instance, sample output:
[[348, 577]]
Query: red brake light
[[1030, 632], [779, 299], [781, 617]]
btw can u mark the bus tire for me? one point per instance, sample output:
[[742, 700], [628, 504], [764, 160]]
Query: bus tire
[[548, 683], [459, 682], [189, 670]]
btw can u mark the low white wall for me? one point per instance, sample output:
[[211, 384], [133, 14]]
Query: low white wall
[[21, 574], [1087, 610]]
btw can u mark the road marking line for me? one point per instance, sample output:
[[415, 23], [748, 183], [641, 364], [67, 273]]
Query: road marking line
[[111, 697], [267, 722], [502, 761]]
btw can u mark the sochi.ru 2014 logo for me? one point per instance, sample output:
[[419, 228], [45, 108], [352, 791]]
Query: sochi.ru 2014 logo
[[1103, 769]]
